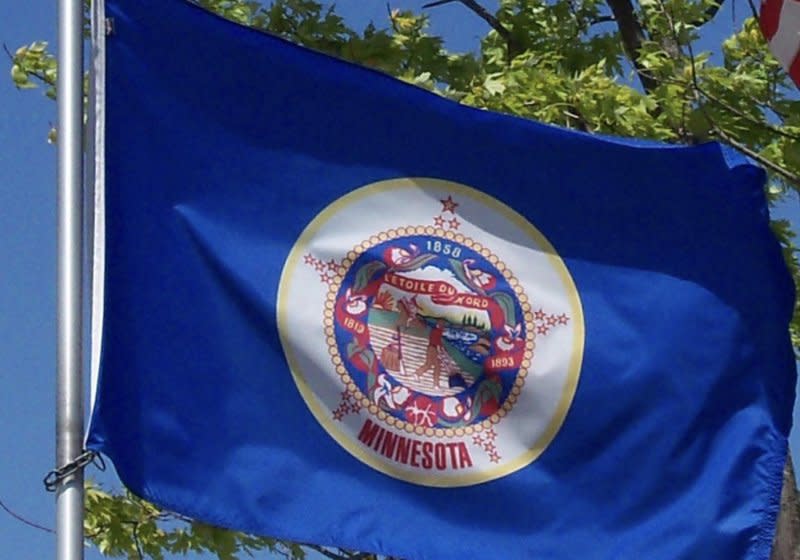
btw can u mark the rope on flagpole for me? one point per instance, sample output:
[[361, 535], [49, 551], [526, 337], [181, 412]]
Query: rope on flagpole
[[21, 519]]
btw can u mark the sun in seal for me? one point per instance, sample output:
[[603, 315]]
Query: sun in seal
[[424, 363]]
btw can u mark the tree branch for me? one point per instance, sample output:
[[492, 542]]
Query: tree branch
[[135, 537], [632, 35], [329, 553], [787, 534], [573, 113], [33, 73], [752, 120], [671, 43], [753, 10], [602, 19], [485, 15], [728, 139], [786, 174], [708, 15]]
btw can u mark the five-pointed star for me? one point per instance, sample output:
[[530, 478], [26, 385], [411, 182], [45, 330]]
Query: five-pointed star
[[449, 205]]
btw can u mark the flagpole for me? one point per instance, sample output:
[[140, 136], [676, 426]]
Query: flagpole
[[69, 394]]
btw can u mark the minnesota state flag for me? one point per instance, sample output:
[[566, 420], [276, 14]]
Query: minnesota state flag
[[342, 310]]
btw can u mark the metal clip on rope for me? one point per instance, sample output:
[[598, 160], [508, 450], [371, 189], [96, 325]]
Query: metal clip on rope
[[57, 476]]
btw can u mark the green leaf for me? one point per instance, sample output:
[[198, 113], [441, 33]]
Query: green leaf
[[365, 274], [506, 303], [791, 153]]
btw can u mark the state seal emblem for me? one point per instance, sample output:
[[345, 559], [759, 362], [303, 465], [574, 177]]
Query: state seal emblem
[[432, 331]]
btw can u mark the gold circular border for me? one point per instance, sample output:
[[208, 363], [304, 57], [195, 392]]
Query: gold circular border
[[395, 233], [345, 439]]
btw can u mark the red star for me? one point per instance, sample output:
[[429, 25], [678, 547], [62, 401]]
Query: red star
[[551, 321], [540, 315], [542, 329], [449, 205], [323, 277], [494, 457], [332, 265], [454, 223], [438, 221], [309, 259], [563, 319], [320, 266]]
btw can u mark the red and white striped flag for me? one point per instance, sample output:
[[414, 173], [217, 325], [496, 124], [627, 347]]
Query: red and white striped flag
[[780, 22]]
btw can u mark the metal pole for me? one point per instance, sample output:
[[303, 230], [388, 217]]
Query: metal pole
[[69, 394]]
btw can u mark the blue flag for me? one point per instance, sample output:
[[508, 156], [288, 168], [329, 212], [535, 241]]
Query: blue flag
[[342, 310]]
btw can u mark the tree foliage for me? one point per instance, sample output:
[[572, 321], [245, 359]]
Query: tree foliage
[[615, 67]]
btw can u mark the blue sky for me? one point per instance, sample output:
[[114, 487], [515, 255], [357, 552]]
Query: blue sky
[[27, 251]]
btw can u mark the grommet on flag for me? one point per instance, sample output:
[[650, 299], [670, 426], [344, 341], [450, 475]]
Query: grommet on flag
[[56, 476]]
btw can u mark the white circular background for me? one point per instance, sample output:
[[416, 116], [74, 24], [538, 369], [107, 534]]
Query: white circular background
[[524, 433]]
